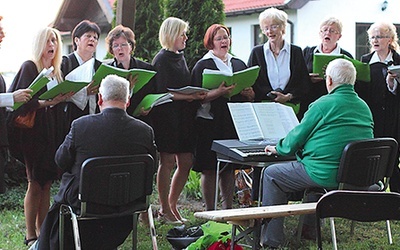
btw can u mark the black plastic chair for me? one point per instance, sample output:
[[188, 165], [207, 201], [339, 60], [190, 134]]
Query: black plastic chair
[[366, 165], [363, 206], [111, 186]]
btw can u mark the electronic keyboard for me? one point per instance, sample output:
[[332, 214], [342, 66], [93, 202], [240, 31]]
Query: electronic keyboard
[[244, 151]]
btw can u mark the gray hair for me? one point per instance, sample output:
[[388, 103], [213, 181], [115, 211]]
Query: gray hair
[[341, 71], [114, 88], [278, 16]]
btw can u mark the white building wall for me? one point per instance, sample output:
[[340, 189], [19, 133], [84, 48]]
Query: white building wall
[[306, 22]]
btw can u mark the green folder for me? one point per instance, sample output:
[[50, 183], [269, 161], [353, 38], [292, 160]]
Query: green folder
[[321, 61], [143, 78], [151, 100], [243, 79], [63, 88], [37, 84]]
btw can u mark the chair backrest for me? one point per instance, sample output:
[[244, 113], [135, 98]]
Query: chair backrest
[[366, 162], [365, 206], [116, 185]]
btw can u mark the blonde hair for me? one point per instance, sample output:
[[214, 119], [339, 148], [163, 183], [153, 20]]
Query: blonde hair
[[332, 21], [170, 30], [388, 29], [39, 46], [278, 16]]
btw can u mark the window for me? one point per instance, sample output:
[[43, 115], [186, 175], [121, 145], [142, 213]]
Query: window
[[258, 36]]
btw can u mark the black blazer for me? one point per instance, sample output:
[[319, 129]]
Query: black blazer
[[111, 132]]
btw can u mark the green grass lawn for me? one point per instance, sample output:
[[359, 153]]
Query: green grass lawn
[[366, 236]]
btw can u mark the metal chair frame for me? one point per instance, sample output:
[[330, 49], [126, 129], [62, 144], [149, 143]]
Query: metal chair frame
[[111, 186]]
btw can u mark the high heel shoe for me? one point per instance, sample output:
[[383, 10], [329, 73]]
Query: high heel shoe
[[164, 218], [29, 242]]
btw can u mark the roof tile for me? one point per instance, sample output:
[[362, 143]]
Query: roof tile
[[240, 5]]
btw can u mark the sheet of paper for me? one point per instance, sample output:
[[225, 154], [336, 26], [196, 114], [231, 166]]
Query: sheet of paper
[[275, 119], [245, 121]]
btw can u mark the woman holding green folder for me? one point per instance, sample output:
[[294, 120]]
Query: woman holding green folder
[[36, 146], [121, 44], [330, 31], [213, 120]]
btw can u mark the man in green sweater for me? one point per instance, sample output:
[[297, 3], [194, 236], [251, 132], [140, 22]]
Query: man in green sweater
[[330, 123]]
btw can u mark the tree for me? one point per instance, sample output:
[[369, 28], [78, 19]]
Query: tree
[[149, 15], [148, 18], [200, 15]]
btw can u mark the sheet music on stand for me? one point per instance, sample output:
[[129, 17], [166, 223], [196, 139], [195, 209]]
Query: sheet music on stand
[[262, 123]]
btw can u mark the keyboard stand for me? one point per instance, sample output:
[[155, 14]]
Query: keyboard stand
[[223, 159]]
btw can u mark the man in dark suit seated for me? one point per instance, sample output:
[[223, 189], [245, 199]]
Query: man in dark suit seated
[[111, 132]]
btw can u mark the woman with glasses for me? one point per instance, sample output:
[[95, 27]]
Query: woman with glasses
[[213, 120], [382, 92], [281, 64], [330, 32], [173, 122], [121, 44], [283, 71]]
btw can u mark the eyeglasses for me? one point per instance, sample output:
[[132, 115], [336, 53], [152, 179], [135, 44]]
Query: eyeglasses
[[122, 45], [378, 37], [220, 38], [272, 27], [330, 31]]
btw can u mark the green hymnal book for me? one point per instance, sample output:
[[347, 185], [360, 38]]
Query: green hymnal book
[[144, 75], [40, 81], [151, 100], [321, 61], [243, 79], [63, 88]]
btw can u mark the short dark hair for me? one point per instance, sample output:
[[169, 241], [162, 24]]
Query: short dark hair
[[210, 34], [82, 28]]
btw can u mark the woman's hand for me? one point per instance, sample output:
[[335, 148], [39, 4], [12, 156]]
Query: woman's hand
[[22, 95], [248, 93], [390, 79], [144, 112], [132, 81], [92, 89], [225, 90], [282, 98]]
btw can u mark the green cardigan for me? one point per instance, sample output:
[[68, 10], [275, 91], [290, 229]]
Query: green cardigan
[[330, 123]]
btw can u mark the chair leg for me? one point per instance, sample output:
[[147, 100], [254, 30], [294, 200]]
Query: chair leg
[[319, 234], [61, 227], [333, 232], [75, 229], [134, 231], [152, 228], [352, 228], [300, 227], [389, 232]]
